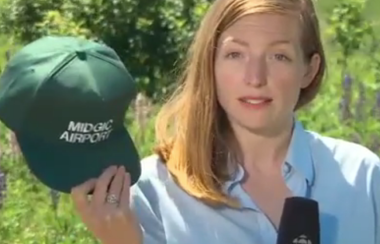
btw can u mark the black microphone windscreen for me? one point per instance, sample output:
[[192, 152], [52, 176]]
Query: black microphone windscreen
[[299, 222]]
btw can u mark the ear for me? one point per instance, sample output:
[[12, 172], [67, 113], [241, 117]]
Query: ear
[[311, 70]]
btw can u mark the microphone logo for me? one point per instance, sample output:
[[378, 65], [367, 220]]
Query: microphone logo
[[302, 239]]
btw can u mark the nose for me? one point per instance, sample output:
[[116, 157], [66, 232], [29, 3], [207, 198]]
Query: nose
[[255, 72]]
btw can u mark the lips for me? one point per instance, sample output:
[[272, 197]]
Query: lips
[[255, 103], [255, 100]]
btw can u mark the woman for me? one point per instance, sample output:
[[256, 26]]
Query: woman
[[229, 148]]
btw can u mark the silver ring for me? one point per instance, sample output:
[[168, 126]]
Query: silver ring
[[112, 198]]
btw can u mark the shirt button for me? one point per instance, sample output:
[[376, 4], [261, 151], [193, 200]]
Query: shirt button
[[287, 168]]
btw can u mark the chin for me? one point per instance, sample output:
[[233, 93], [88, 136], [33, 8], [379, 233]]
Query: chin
[[256, 127], [259, 126]]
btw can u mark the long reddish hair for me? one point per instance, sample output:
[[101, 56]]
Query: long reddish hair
[[191, 125]]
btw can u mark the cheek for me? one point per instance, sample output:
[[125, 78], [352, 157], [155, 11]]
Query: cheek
[[287, 80], [226, 85], [228, 79], [285, 86]]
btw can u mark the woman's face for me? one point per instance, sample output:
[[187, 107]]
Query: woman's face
[[260, 70]]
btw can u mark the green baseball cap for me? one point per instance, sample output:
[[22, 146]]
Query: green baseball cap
[[65, 98]]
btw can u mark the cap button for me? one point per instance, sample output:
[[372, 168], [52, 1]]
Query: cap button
[[81, 55]]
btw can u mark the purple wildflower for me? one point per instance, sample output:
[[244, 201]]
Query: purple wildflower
[[347, 83], [344, 108], [346, 98], [3, 187], [360, 105]]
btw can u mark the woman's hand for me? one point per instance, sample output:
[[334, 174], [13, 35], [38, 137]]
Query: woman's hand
[[107, 214]]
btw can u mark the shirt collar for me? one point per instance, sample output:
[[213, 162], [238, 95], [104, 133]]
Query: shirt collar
[[298, 157], [299, 153]]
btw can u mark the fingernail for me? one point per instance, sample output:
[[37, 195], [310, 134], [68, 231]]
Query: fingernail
[[111, 168]]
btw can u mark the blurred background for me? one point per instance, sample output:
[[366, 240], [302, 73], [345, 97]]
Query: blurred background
[[152, 37]]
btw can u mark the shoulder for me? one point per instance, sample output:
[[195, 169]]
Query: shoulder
[[347, 167], [145, 198], [153, 176], [347, 164], [343, 152], [350, 173]]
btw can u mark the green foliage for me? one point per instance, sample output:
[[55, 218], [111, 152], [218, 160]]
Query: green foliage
[[347, 26], [357, 95], [150, 37], [57, 23], [18, 18]]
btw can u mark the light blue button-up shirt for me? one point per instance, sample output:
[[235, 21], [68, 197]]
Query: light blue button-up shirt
[[343, 177]]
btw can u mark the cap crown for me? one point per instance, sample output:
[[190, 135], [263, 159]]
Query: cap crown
[[65, 89]]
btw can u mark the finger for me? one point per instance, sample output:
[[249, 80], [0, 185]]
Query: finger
[[102, 184], [79, 195], [124, 198], [117, 185]]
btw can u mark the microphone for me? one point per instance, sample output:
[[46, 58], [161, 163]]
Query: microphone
[[299, 222]]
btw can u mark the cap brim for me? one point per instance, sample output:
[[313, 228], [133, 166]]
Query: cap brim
[[65, 165]]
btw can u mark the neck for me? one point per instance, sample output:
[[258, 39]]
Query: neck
[[260, 151]]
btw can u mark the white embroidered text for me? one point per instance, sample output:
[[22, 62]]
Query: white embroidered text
[[79, 132]]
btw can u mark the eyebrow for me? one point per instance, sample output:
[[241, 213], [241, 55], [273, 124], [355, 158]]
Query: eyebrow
[[246, 44]]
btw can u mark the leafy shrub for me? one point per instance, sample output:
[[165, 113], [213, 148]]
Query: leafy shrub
[[348, 107]]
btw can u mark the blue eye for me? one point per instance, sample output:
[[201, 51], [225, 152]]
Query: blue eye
[[233, 55], [281, 57]]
